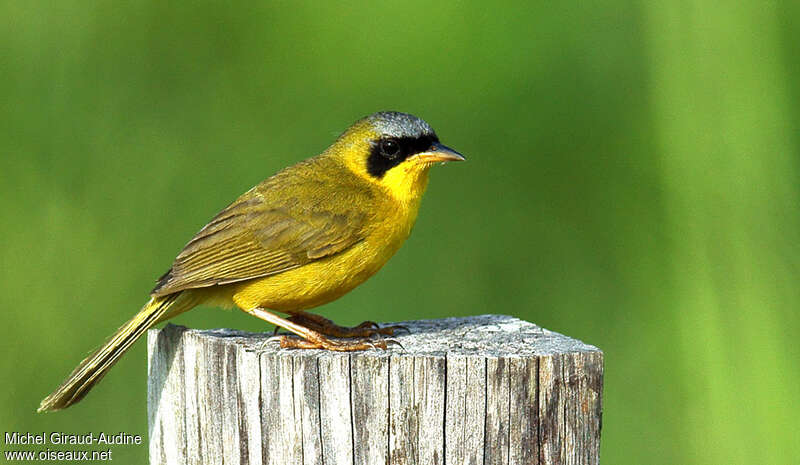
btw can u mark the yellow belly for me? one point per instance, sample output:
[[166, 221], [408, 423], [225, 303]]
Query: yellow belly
[[325, 280], [313, 284]]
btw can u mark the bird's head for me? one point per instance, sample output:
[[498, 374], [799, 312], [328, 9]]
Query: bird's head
[[393, 150]]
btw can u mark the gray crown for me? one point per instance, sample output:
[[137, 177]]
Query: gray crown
[[396, 124]]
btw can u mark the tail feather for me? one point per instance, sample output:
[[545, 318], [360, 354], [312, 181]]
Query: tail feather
[[92, 369]]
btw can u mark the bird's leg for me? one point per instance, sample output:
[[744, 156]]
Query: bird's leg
[[328, 327], [312, 339]]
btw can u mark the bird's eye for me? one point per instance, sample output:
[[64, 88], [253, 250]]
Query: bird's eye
[[390, 148]]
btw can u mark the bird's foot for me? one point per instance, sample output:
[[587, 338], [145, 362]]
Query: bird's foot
[[309, 327], [329, 328], [322, 342]]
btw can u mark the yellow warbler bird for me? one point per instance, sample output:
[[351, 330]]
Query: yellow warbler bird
[[302, 238]]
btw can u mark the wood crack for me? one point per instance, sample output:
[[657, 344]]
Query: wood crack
[[485, 390]]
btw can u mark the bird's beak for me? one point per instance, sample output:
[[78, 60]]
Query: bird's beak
[[439, 153]]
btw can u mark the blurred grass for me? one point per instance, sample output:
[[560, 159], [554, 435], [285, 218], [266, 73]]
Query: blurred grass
[[632, 180]]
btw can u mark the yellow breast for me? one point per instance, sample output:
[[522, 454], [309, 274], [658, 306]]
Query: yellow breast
[[325, 280]]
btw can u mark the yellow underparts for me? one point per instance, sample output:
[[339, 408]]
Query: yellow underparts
[[325, 280], [310, 285]]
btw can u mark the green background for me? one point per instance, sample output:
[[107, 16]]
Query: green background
[[632, 181]]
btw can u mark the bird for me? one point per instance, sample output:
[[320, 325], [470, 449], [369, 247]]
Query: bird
[[299, 239]]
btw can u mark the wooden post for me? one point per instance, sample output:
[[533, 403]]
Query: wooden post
[[488, 389]]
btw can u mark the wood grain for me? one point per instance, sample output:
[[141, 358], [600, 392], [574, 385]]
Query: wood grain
[[488, 389]]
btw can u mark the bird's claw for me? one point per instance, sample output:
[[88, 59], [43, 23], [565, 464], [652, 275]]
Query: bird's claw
[[389, 340], [400, 327], [276, 338], [368, 325]]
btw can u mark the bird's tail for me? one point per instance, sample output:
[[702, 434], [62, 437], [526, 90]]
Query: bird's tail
[[92, 369]]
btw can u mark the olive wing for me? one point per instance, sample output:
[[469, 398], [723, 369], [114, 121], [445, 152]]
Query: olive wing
[[252, 239]]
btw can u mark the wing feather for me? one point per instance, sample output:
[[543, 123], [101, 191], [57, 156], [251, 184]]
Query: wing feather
[[265, 232]]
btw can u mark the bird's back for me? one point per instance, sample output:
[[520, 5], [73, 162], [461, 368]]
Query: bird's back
[[305, 212]]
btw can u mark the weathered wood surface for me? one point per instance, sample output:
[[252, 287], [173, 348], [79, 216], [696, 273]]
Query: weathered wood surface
[[489, 389]]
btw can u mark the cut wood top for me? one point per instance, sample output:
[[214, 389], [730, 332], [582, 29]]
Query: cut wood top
[[482, 335], [488, 389]]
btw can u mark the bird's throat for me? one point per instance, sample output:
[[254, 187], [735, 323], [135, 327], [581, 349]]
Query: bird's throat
[[406, 184]]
